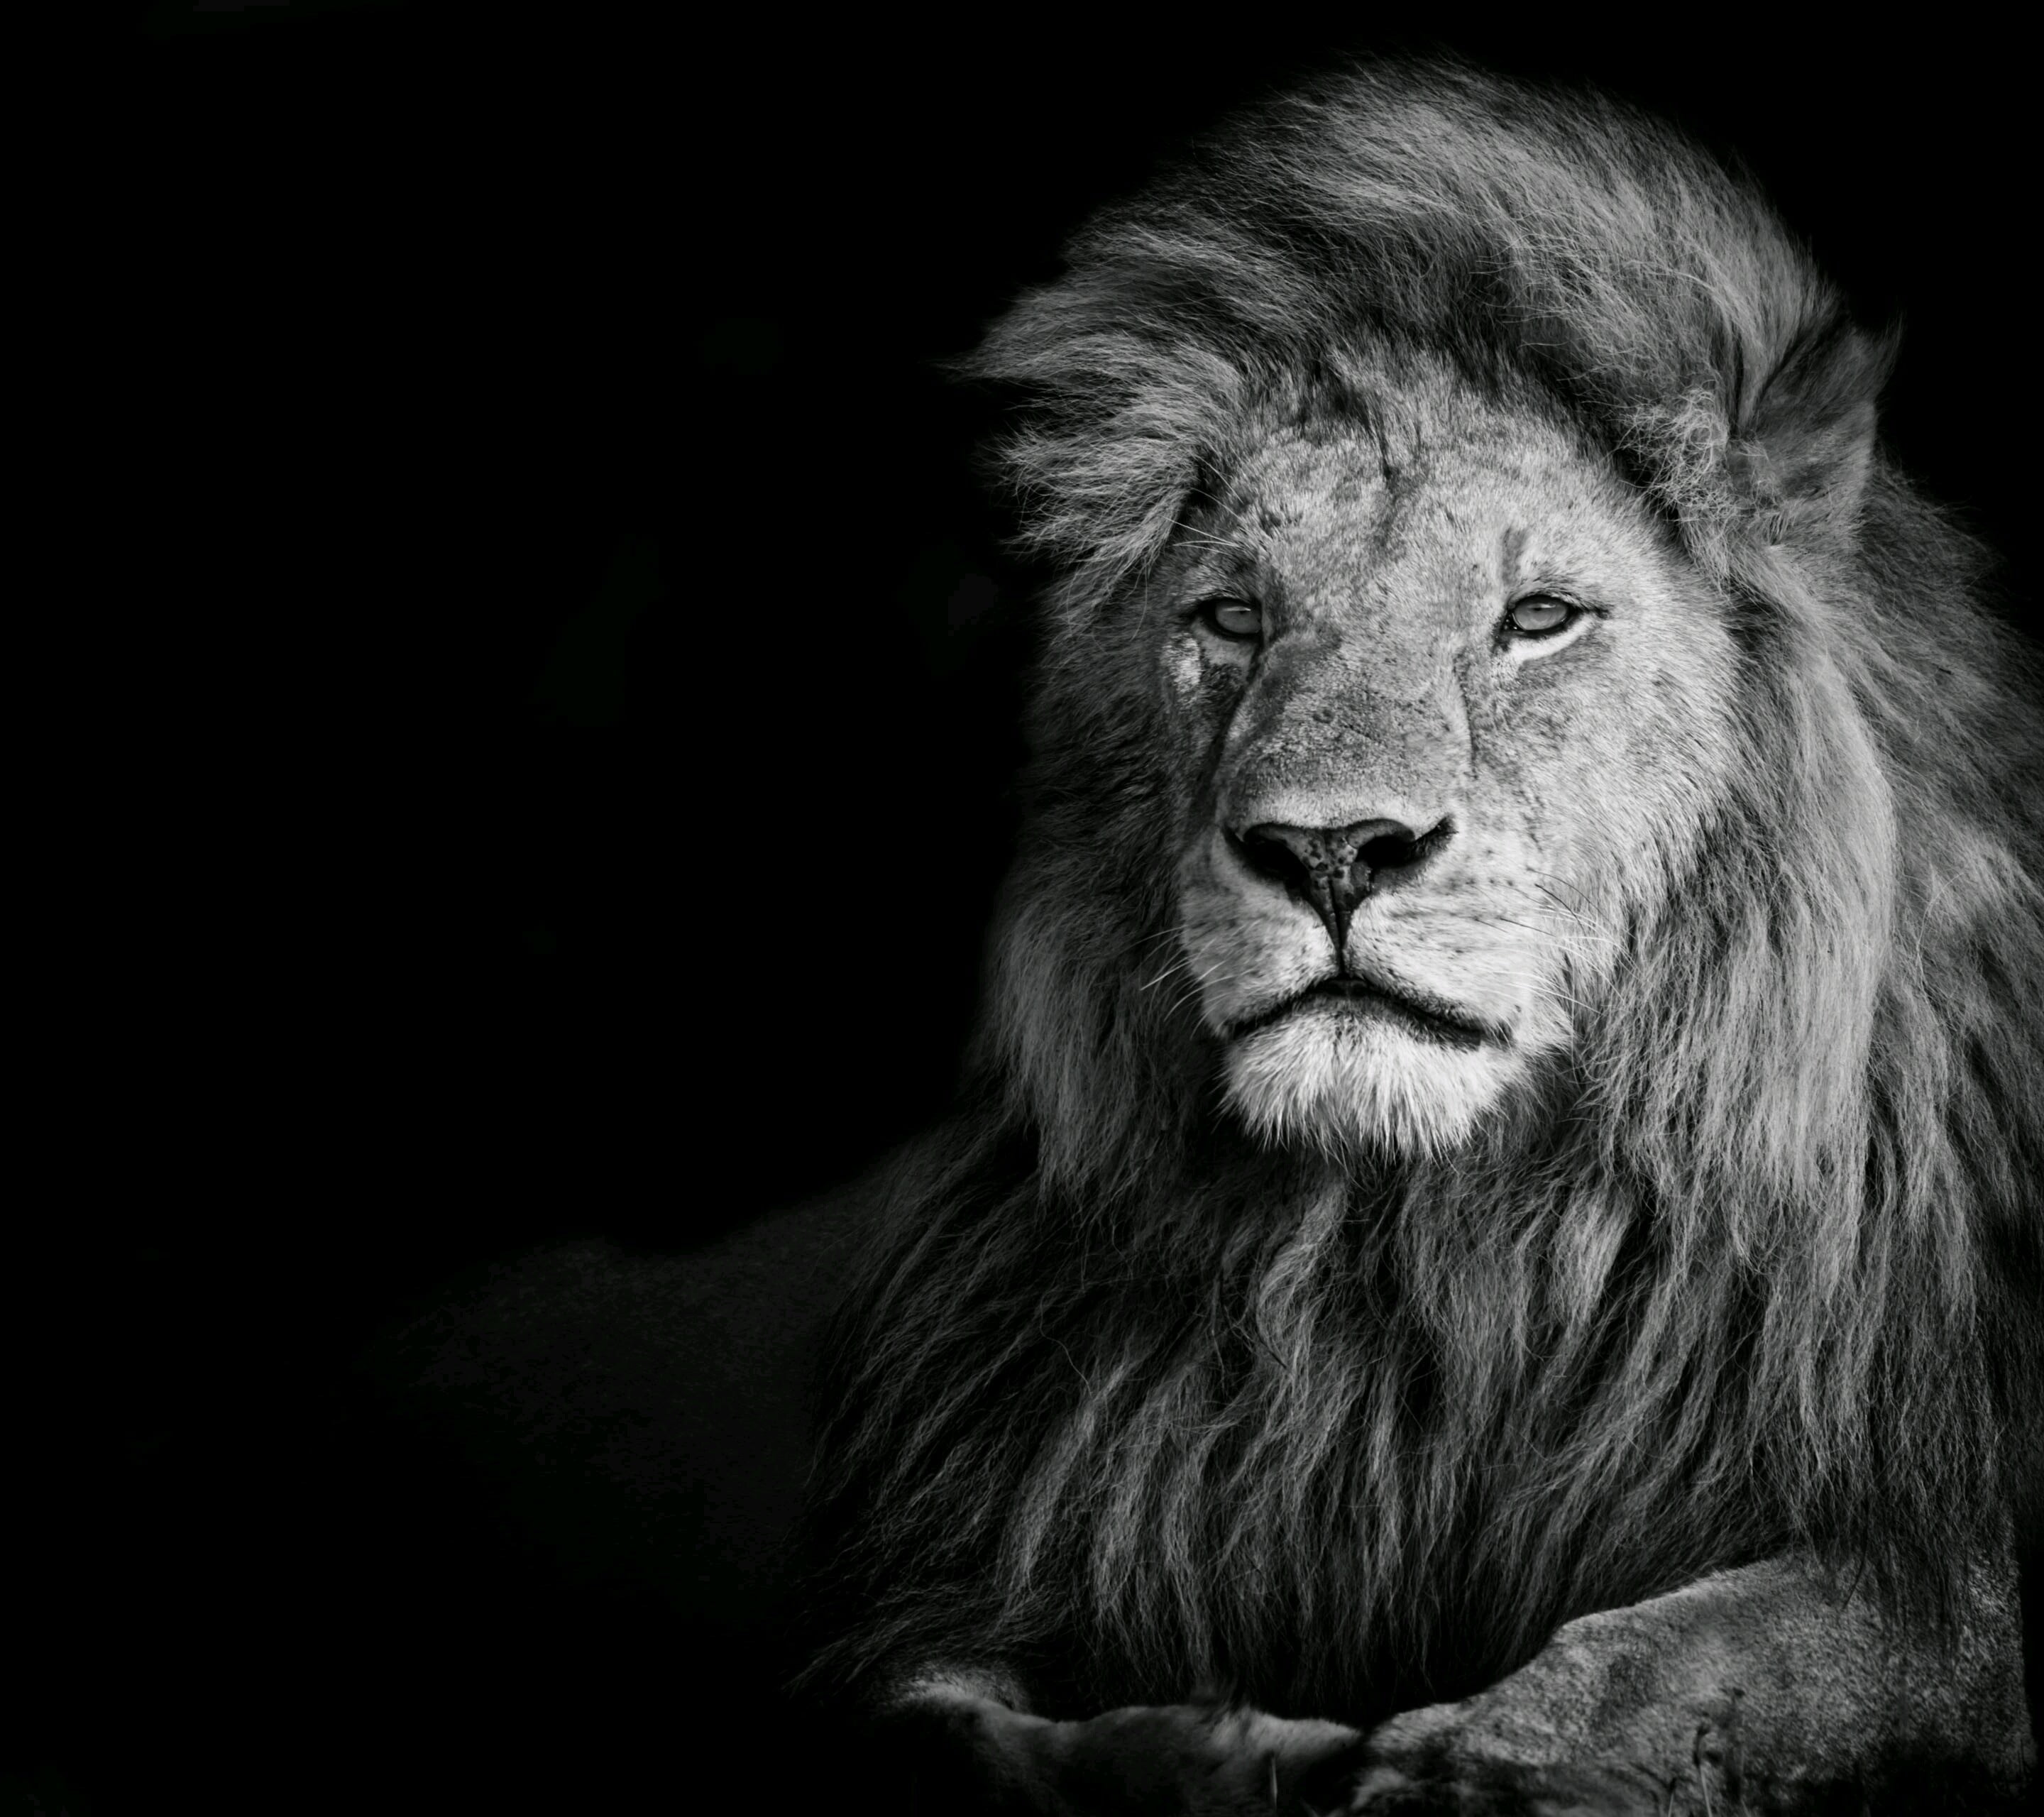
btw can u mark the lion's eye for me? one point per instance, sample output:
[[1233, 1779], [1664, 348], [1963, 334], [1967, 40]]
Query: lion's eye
[[1538, 616], [1233, 617]]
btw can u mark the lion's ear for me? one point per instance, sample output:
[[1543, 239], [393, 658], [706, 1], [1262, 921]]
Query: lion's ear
[[1804, 448]]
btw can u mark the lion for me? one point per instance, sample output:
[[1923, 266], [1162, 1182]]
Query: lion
[[1489, 1256]]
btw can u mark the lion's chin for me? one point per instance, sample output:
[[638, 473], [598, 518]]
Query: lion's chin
[[1326, 1076]]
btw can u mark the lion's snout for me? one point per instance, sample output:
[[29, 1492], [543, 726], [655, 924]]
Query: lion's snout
[[1331, 868]]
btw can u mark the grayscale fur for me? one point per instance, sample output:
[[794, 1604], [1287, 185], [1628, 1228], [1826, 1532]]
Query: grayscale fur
[[1757, 1264]]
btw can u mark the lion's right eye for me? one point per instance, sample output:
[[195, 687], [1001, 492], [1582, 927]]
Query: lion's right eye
[[1540, 615], [1235, 618]]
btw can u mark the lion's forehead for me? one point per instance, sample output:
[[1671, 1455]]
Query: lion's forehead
[[1484, 498]]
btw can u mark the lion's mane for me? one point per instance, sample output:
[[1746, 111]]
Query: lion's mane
[[1121, 1397]]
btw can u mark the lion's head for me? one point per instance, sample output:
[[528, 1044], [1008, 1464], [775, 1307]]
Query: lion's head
[[1461, 498], [1511, 1074], [1444, 707]]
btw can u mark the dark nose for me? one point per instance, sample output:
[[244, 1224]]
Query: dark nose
[[1331, 868]]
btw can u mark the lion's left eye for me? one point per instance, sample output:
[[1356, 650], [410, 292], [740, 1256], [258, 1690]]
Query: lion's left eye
[[1233, 618], [1539, 617]]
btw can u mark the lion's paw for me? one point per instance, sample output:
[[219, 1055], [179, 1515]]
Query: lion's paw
[[1199, 1760], [1182, 1760], [1434, 1776]]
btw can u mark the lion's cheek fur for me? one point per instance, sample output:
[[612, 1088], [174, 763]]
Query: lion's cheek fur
[[1244, 950]]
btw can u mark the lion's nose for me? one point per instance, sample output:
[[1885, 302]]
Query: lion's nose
[[1331, 868]]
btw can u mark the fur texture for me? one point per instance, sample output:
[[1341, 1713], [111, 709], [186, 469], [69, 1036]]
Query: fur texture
[[1135, 1398]]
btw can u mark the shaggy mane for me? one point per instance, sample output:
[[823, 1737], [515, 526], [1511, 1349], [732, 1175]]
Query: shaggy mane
[[1126, 1399]]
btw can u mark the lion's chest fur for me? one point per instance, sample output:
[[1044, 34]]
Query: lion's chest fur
[[1272, 1457]]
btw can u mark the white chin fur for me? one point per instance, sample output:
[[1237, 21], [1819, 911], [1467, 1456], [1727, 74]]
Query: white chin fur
[[1346, 1084]]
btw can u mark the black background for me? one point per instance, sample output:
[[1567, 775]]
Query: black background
[[547, 662]]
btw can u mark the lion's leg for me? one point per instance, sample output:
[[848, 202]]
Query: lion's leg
[[977, 1748], [1759, 1685]]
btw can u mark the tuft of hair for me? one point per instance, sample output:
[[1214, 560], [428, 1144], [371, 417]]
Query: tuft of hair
[[1128, 1398]]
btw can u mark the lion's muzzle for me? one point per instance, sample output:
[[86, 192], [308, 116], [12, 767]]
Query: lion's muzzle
[[1331, 868]]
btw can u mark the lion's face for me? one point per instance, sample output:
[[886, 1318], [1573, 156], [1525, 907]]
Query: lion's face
[[1450, 705]]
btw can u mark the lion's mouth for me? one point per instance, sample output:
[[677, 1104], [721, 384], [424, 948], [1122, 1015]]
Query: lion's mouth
[[1420, 1014]]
